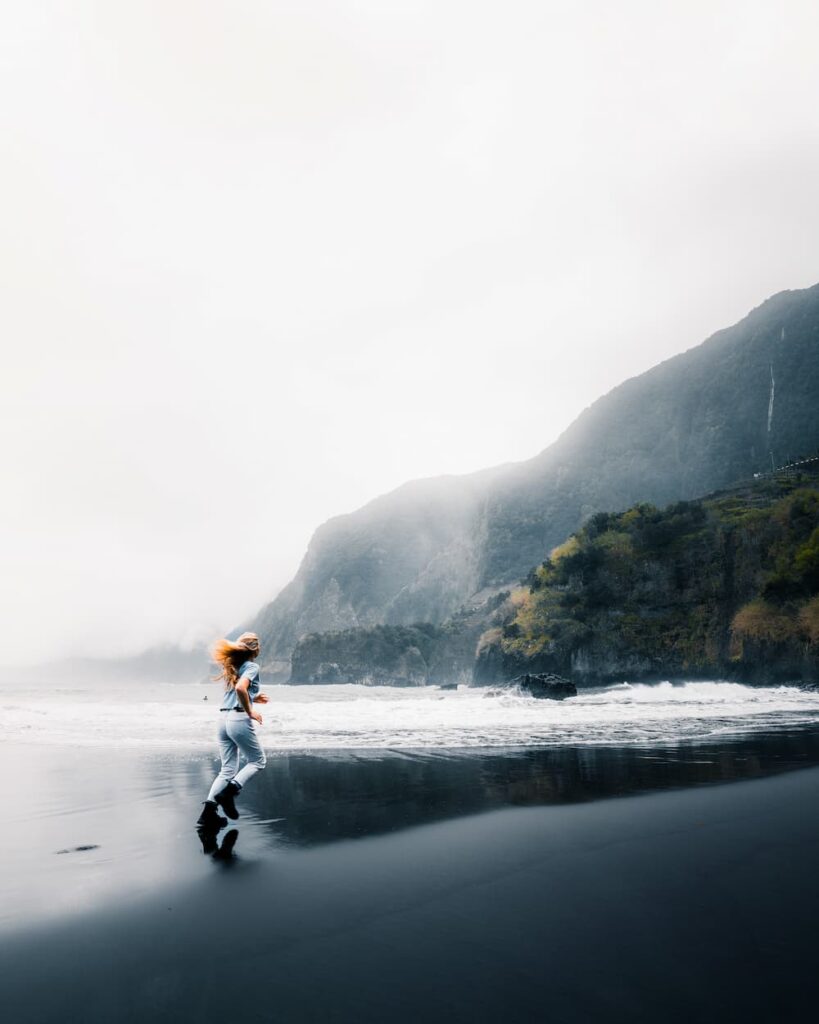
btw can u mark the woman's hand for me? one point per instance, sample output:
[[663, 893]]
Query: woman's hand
[[261, 698], [256, 717]]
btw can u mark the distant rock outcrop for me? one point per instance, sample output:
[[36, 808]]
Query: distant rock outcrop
[[718, 413], [419, 655]]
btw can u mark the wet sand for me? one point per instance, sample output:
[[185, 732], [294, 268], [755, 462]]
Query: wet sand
[[692, 904]]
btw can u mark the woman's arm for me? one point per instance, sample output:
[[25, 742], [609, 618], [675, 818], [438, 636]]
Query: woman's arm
[[244, 699]]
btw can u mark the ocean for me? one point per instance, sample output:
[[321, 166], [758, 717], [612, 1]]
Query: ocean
[[182, 717], [632, 854]]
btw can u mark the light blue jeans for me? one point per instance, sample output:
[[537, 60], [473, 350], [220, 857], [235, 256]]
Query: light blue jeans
[[237, 735]]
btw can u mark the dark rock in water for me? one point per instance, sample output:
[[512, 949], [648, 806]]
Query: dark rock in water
[[448, 686], [546, 685]]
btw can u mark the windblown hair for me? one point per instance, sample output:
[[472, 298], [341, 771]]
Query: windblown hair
[[230, 655]]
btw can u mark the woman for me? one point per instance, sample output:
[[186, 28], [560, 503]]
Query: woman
[[237, 726]]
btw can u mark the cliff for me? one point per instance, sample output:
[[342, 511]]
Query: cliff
[[419, 655], [744, 399], [726, 587]]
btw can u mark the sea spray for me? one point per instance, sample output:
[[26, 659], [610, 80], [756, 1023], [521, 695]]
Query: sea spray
[[173, 716]]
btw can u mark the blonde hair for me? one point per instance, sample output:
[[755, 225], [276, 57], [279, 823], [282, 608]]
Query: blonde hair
[[230, 655]]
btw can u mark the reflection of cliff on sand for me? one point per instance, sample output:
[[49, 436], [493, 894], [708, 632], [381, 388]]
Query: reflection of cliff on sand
[[347, 794]]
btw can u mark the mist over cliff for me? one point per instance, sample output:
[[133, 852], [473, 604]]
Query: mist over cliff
[[739, 403]]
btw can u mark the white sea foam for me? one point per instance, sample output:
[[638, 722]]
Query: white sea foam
[[353, 717]]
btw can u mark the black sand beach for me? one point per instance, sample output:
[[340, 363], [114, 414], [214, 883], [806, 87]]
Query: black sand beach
[[500, 887]]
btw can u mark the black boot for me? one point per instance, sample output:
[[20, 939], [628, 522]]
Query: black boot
[[226, 797], [210, 818]]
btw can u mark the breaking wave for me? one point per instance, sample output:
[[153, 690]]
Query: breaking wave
[[177, 716]]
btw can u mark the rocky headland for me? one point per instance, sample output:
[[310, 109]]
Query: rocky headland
[[740, 403], [726, 587]]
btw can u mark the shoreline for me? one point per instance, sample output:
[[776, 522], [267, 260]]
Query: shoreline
[[98, 826], [679, 905]]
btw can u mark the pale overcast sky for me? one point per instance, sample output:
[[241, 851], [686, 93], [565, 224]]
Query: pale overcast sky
[[262, 262]]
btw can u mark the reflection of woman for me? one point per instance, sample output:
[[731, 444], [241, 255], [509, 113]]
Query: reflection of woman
[[237, 726]]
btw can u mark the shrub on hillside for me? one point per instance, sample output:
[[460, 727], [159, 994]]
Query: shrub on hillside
[[761, 621], [809, 620]]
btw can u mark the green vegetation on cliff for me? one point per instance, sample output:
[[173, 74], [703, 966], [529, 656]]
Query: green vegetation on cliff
[[727, 586]]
